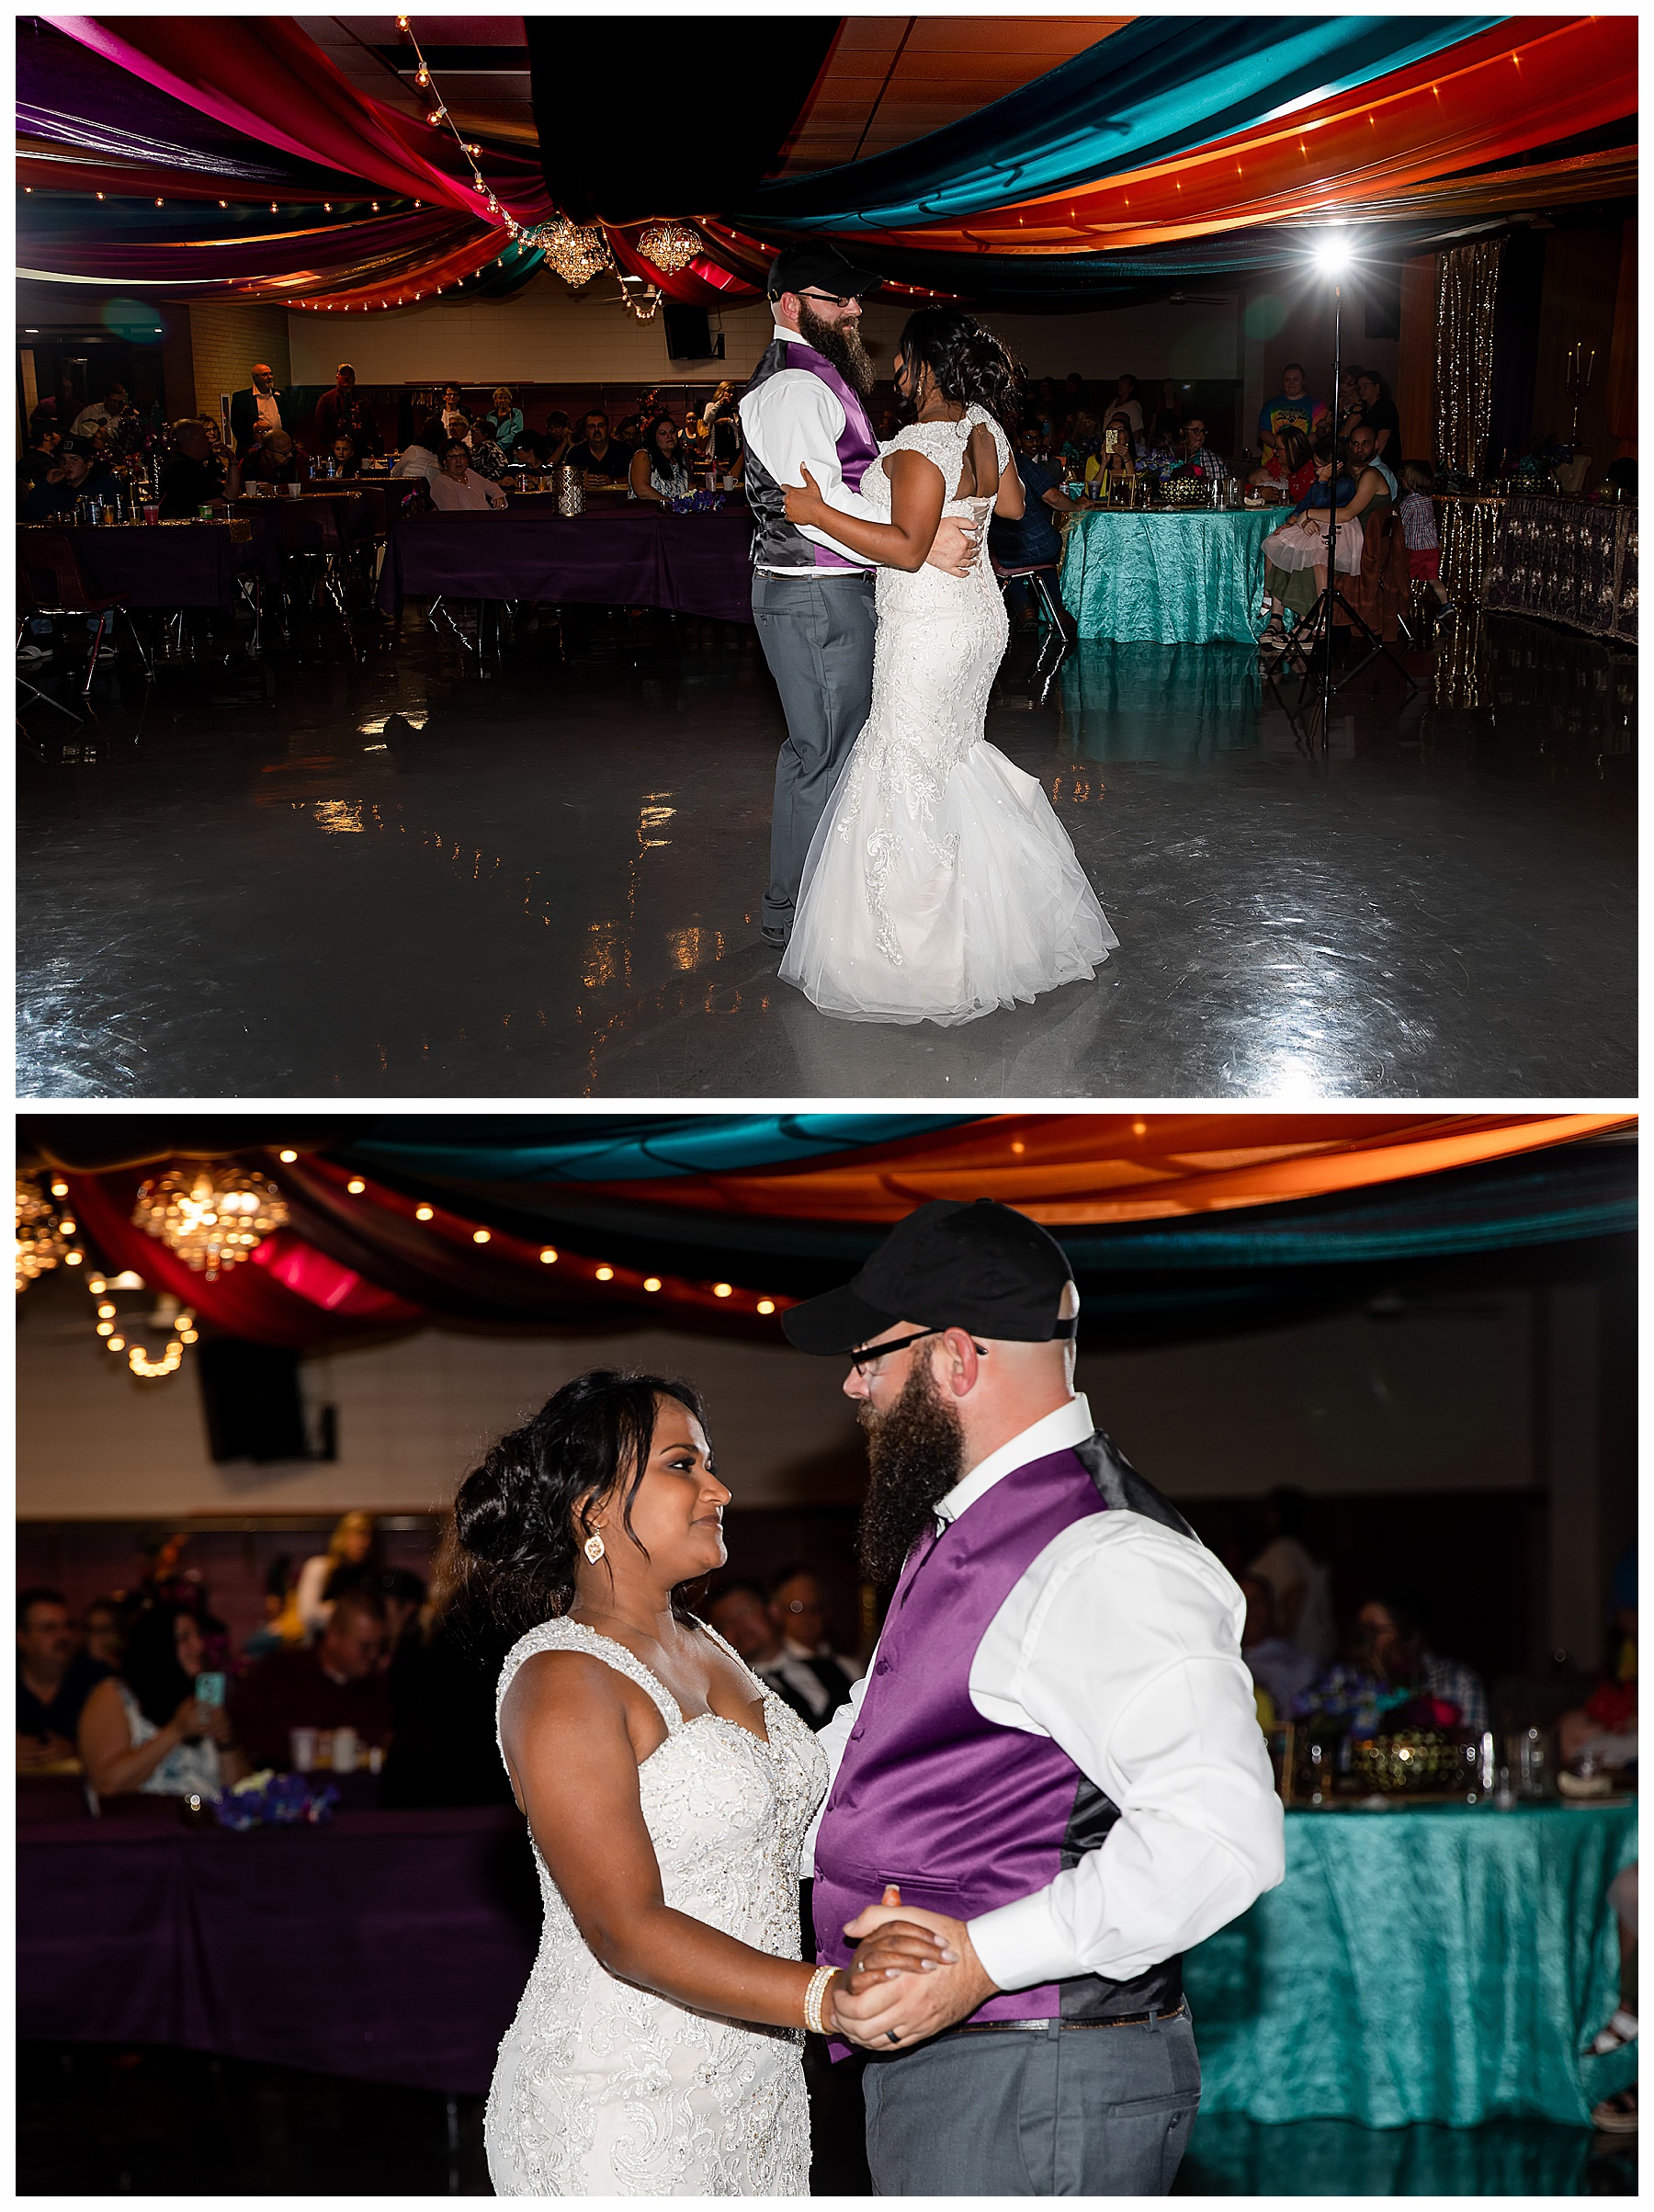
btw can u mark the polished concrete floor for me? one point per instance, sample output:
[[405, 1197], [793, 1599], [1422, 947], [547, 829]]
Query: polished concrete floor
[[420, 874], [94, 2121]]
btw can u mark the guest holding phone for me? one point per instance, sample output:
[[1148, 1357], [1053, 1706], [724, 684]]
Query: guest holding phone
[[159, 1726]]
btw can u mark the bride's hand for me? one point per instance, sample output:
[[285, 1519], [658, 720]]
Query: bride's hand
[[804, 502]]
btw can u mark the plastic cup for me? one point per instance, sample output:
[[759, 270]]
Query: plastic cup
[[152, 514], [303, 1741], [294, 491], [345, 1751]]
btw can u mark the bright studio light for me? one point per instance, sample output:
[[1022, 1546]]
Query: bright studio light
[[1331, 253]]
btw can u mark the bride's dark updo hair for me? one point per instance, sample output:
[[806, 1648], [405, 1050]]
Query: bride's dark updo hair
[[969, 363], [521, 1516]]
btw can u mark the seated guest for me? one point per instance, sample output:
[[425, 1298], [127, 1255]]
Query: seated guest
[[1293, 404], [105, 1632], [1363, 443], [145, 1729], [628, 434], [1032, 540], [1289, 467], [659, 469], [274, 460], [1393, 1679], [598, 456], [337, 1682], [402, 1595], [39, 456], [346, 1564], [487, 459], [556, 439], [1119, 450], [105, 415], [1299, 546], [1198, 459], [1301, 1582], [76, 473], [281, 1625], [458, 487], [443, 1750], [505, 421], [423, 454], [343, 454], [55, 1677], [1379, 415], [1280, 1671], [1082, 446]]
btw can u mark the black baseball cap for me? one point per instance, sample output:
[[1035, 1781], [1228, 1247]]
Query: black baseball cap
[[951, 1264], [797, 268]]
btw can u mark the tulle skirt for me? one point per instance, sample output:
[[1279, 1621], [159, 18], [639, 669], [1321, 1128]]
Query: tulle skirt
[[926, 906], [1294, 546]]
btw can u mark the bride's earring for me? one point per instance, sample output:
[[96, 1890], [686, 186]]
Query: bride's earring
[[592, 1546]]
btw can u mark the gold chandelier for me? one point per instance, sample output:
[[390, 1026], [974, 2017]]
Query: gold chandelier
[[169, 1322], [576, 254], [212, 1217], [44, 1231], [669, 245]]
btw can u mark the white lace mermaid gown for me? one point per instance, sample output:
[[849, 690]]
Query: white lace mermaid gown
[[939, 883], [603, 2089]]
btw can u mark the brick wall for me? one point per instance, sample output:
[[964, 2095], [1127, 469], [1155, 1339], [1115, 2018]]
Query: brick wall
[[225, 341]]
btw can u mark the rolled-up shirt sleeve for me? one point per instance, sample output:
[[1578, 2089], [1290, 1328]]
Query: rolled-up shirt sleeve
[[792, 421], [1125, 1651]]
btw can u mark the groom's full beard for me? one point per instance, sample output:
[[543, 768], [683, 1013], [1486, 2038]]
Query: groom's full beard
[[842, 344], [915, 1455]]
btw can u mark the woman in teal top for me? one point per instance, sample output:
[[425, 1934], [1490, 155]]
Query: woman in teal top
[[506, 419]]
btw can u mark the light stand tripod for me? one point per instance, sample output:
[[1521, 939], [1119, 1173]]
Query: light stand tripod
[[1329, 600]]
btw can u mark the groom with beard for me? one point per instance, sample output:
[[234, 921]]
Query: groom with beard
[[1054, 1760], [813, 601]]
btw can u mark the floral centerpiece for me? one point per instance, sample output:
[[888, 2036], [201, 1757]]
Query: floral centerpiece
[[698, 503], [267, 1799]]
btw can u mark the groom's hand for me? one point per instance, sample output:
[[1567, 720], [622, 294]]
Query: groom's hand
[[953, 548], [884, 2013]]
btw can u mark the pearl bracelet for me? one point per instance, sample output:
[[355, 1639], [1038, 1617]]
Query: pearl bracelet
[[813, 1996]]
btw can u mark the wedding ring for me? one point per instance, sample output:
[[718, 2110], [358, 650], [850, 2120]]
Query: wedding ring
[[892, 2036]]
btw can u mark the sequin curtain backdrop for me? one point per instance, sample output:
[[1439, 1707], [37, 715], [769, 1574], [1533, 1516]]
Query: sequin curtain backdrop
[[1466, 289]]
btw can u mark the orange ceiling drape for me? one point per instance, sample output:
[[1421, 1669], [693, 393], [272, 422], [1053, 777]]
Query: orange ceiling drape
[[1075, 1169]]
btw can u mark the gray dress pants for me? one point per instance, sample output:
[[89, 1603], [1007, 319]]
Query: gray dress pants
[[1051, 2112], [817, 639]]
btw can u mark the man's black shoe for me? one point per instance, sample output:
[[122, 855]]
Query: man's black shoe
[[771, 935]]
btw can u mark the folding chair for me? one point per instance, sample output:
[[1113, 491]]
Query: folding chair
[[52, 582]]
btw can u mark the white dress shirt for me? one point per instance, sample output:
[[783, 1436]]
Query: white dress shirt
[[1121, 1642], [792, 419], [266, 407]]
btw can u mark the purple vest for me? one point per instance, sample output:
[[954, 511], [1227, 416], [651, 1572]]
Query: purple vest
[[777, 543], [964, 1814]]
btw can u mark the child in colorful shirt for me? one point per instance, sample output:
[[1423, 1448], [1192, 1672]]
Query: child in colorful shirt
[[1416, 510]]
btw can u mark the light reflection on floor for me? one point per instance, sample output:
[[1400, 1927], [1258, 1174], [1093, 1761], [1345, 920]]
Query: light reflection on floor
[[404, 877]]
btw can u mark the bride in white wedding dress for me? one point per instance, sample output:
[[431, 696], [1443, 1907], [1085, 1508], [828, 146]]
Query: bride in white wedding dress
[[656, 2051], [940, 884]]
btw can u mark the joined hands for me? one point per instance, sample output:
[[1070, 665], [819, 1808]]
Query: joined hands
[[915, 1974]]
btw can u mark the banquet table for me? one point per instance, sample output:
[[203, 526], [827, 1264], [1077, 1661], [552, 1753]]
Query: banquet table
[[1444, 1963], [636, 556], [1569, 560], [1166, 575], [159, 564], [1421, 1963]]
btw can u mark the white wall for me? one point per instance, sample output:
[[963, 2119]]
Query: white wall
[[1438, 1399], [548, 335]]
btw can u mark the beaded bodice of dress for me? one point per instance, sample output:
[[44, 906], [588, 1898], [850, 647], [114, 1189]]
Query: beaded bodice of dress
[[943, 443], [691, 2104]]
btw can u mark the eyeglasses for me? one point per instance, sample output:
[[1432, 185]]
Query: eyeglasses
[[859, 1360]]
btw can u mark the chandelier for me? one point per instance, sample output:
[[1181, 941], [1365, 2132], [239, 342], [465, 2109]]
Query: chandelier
[[669, 245], [44, 1231], [212, 1217], [574, 253], [154, 1340]]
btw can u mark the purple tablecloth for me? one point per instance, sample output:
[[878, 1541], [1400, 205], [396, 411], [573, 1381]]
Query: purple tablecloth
[[693, 564], [192, 564], [391, 1947]]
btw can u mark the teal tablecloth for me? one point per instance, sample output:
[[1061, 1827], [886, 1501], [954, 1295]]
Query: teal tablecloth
[[1144, 576], [1446, 1963]]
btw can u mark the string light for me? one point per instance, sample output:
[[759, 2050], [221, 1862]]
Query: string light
[[722, 1289], [287, 1156], [424, 1213], [355, 1186], [605, 1274], [549, 1257], [480, 1236], [766, 1305], [651, 1282], [43, 1232]]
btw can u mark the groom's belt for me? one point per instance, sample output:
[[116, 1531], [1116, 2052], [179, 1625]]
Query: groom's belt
[[1010, 2027]]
